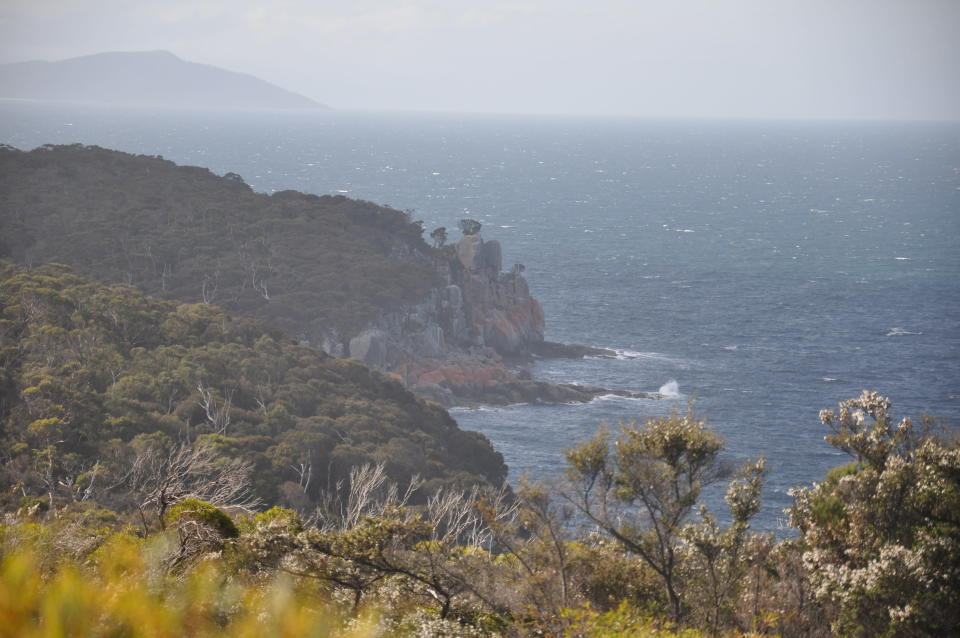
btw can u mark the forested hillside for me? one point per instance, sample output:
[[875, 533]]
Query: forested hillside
[[95, 379], [320, 268]]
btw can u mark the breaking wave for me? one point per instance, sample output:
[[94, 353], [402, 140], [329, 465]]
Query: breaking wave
[[900, 332], [670, 389]]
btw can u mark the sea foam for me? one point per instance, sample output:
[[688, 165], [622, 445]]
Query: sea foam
[[670, 389]]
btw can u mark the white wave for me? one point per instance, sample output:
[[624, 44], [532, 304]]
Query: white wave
[[670, 389], [614, 397], [827, 379], [900, 332], [626, 355], [731, 347], [904, 258], [478, 408]]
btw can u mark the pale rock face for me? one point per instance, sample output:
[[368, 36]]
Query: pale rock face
[[370, 346], [466, 337], [501, 334], [453, 297], [432, 342], [330, 344], [467, 250]]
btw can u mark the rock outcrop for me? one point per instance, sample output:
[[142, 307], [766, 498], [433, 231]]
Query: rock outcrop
[[472, 340]]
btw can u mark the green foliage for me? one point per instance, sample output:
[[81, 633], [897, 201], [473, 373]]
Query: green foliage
[[642, 491], [469, 226], [100, 373], [204, 513], [439, 236], [320, 267], [608, 576], [625, 621], [281, 516], [882, 534]]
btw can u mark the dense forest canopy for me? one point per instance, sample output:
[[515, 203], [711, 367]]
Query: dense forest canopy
[[314, 266], [91, 375]]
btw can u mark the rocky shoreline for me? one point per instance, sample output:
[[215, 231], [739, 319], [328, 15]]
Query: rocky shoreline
[[474, 339]]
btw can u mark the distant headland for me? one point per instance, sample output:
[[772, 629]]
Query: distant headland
[[349, 277], [144, 78]]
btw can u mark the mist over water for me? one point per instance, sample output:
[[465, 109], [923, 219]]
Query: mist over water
[[767, 269]]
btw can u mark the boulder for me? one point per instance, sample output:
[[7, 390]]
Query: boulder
[[370, 346], [502, 335], [554, 350], [467, 250], [330, 344]]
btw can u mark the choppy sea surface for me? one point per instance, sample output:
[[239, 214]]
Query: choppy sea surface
[[770, 269]]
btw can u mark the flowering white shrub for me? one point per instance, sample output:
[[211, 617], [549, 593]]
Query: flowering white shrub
[[882, 534]]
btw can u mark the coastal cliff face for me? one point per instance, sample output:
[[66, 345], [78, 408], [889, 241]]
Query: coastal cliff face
[[468, 339], [473, 339], [351, 277]]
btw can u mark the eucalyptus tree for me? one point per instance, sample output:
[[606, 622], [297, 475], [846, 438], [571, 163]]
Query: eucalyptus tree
[[642, 489]]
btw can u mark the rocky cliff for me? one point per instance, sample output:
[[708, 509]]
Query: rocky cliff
[[473, 339], [349, 276]]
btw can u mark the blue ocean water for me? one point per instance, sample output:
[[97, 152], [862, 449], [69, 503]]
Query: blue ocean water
[[770, 269]]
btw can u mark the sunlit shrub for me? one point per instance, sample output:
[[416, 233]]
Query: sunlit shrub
[[119, 593]]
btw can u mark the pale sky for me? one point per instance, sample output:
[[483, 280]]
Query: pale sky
[[897, 59]]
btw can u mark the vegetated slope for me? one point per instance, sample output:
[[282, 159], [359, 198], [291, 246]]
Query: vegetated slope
[[91, 373], [320, 268], [148, 78]]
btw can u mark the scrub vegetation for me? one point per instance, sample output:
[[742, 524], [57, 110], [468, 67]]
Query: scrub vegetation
[[617, 549], [111, 396]]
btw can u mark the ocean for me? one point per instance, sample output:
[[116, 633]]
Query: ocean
[[764, 270]]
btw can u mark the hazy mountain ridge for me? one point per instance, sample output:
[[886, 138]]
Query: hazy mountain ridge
[[144, 78]]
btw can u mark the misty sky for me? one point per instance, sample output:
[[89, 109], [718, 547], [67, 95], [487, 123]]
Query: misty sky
[[703, 58]]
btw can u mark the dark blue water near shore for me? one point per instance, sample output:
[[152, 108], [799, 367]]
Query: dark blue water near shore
[[770, 269]]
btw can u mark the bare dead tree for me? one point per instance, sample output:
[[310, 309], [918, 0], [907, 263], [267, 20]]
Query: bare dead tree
[[370, 493], [190, 471], [459, 517], [217, 412], [304, 471], [262, 396], [208, 289], [257, 281], [194, 538], [80, 492]]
